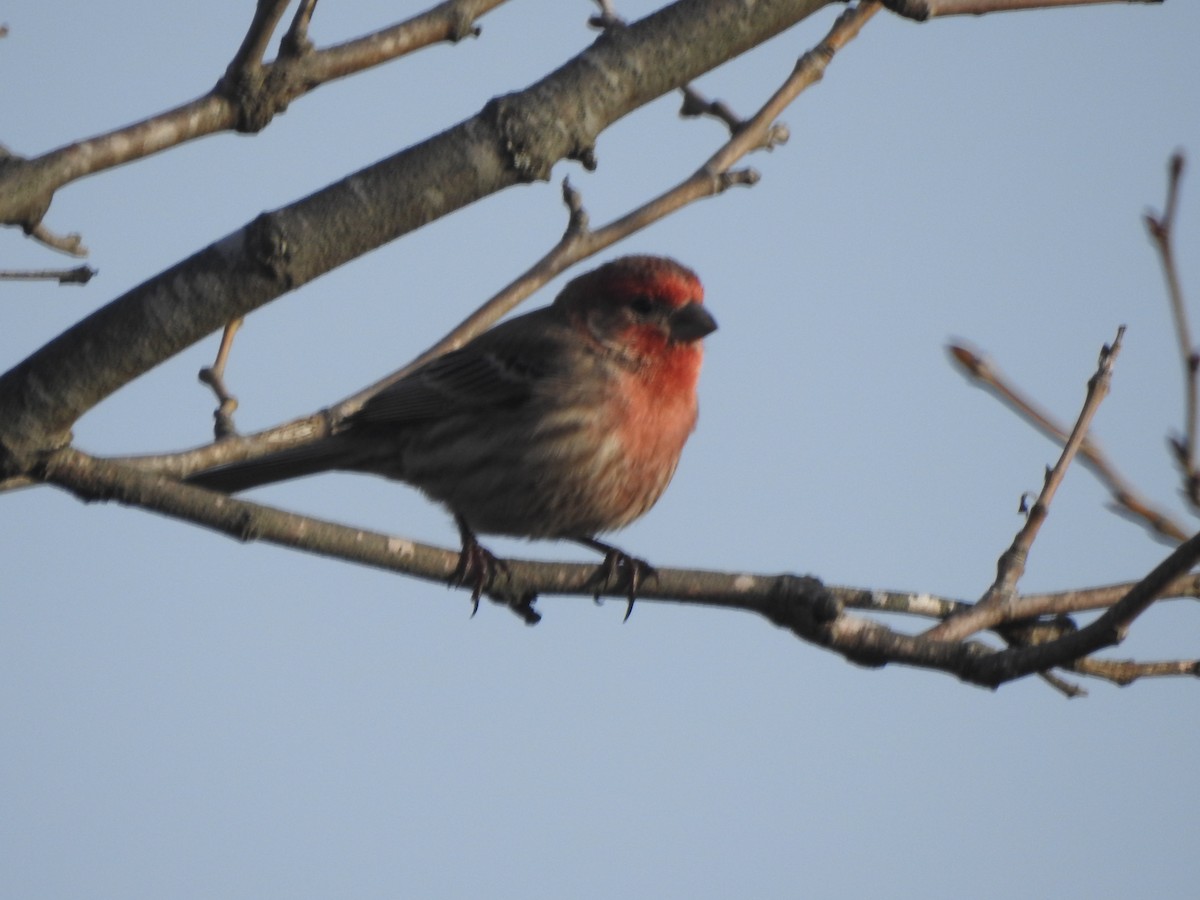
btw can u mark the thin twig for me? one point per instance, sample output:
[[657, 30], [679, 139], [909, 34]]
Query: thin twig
[[983, 373], [1086, 599], [696, 105], [1026, 607], [249, 55], [70, 244], [1126, 671], [238, 102], [295, 42], [930, 9], [214, 377], [606, 18], [1011, 566], [1068, 689], [1107, 630], [1161, 230], [77, 275]]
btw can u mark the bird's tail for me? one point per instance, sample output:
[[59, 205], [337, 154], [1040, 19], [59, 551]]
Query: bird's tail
[[230, 478]]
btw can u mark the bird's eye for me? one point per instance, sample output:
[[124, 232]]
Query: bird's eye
[[641, 304]]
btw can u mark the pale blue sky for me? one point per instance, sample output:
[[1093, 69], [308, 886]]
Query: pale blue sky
[[186, 716]]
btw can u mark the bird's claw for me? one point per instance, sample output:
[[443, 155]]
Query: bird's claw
[[619, 569], [478, 567]]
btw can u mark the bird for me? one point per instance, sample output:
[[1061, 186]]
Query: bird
[[563, 423]]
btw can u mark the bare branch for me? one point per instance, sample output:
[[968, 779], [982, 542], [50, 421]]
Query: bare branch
[[577, 243], [245, 99], [799, 604], [94, 479], [515, 139], [249, 56], [930, 9], [990, 609], [1068, 689], [1024, 608], [983, 373], [577, 219], [1161, 230], [1127, 671], [77, 275], [70, 244], [1109, 629], [1063, 603], [452, 20], [214, 377], [296, 42], [606, 18], [696, 105]]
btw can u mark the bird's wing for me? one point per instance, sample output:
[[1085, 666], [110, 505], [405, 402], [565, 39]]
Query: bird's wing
[[502, 368]]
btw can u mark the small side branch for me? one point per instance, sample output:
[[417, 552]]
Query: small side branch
[[249, 56], [296, 42], [70, 244], [1126, 671], [77, 275], [984, 374], [606, 18], [991, 608], [1026, 608], [1161, 229], [695, 105], [246, 98], [920, 10], [1106, 631], [214, 377]]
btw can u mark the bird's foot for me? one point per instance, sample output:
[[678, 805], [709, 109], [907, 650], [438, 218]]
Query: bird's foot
[[619, 570], [477, 566]]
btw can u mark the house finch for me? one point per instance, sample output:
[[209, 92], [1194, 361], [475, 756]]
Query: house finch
[[565, 422]]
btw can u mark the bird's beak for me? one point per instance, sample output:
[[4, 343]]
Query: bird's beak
[[690, 323]]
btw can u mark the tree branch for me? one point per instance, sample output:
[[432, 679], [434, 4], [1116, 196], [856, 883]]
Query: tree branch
[[931, 9], [296, 42], [77, 275], [514, 139], [1023, 609], [1126, 671], [799, 604], [577, 243], [245, 99], [249, 56], [991, 608], [1161, 229], [214, 377], [1109, 629], [984, 374]]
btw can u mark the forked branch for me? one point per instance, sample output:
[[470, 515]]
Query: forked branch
[[991, 608], [249, 94]]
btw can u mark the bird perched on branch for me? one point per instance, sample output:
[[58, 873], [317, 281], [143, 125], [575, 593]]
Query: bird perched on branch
[[565, 422]]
